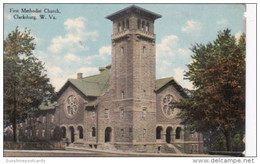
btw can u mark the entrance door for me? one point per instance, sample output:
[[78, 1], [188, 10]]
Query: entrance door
[[108, 132], [168, 134], [72, 134]]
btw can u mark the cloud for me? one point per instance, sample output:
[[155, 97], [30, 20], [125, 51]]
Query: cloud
[[191, 26], [54, 70], [178, 74], [75, 37], [87, 71], [71, 58], [105, 50], [184, 52], [222, 22], [167, 45]]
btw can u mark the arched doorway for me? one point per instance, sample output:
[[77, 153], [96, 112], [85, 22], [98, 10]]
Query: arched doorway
[[178, 133], [80, 131], [159, 132], [72, 134], [108, 132], [168, 134], [63, 131]]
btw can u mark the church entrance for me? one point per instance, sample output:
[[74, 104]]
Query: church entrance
[[72, 134], [108, 132], [168, 134]]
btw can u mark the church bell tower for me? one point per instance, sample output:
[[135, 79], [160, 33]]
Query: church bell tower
[[132, 75]]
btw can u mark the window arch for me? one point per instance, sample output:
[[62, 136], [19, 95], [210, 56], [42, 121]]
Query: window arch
[[127, 24], [93, 131], [119, 27], [143, 25], [123, 26], [178, 133], [158, 132], [80, 129], [147, 27], [139, 24]]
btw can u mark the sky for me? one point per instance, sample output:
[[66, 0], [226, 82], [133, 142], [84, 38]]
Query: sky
[[75, 38]]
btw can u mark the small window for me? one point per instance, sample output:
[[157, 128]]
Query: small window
[[43, 133], [130, 130], [121, 113], [93, 132], [143, 49], [122, 94], [106, 113], [52, 118], [43, 119], [122, 132], [122, 51], [178, 133], [93, 114], [144, 113], [144, 132]]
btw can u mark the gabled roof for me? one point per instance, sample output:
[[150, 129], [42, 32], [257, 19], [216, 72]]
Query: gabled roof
[[91, 85], [96, 85]]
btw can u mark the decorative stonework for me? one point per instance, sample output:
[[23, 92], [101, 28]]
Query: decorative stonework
[[167, 106], [71, 106]]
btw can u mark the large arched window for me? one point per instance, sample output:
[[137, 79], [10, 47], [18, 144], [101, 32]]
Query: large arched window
[[80, 129], [178, 133]]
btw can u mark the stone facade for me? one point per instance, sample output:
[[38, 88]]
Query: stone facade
[[125, 107]]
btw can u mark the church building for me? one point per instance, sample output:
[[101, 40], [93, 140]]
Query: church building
[[124, 107]]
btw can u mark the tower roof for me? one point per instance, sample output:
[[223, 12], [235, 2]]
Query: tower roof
[[133, 9]]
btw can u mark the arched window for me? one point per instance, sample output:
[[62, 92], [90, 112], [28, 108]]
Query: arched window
[[80, 129], [144, 113], [121, 113], [122, 94], [93, 131], [158, 132], [143, 49], [122, 50], [147, 27], [63, 131], [143, 26], [119, 27], [127, 24], [123, 25], [138, 24], [178, 133]]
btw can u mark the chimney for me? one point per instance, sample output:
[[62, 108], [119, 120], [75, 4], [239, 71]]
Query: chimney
[[79, 76]]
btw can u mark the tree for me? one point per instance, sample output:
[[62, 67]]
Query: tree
[[218, 75], [25, 81]]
